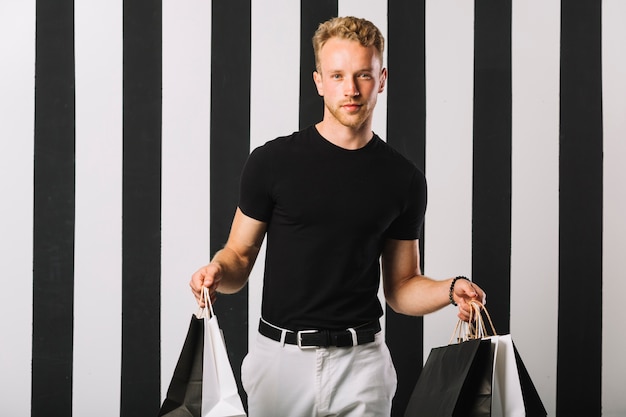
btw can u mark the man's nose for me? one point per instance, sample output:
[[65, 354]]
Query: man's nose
[[351, 88]]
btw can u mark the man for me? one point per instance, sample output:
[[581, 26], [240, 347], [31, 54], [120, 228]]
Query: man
[[333, 199]]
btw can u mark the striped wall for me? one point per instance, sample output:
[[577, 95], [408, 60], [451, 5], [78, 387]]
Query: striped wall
[[123, 127]]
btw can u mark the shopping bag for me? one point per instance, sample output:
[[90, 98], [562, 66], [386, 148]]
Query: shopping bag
[[455, 381], [452, 382], [513, 394], [220, 397], [203, 384], [184, 395]]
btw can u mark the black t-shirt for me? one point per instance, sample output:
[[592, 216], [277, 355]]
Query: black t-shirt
[[328, 212]]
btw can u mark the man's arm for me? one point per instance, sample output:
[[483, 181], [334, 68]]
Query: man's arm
[[409, 292], [230, 267]]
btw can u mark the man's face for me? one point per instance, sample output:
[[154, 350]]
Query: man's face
[[349, 78]]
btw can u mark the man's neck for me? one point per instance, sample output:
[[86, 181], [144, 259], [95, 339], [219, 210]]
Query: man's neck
[[344, 136]]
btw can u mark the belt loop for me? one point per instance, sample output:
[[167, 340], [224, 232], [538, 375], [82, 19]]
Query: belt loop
[[355, 339]]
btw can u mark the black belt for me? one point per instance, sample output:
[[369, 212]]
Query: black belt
[[310, 339]]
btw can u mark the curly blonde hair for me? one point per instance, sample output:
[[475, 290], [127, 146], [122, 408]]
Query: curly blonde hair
[[348, 27]]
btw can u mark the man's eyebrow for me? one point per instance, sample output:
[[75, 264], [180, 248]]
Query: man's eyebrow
[[334, 71]]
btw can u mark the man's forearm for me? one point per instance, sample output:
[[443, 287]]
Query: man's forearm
[[418, 295], [235, 270]]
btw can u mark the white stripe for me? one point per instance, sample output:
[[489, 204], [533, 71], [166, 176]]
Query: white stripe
[[535, 185], [274, 98], [449, 104], [17, 83], [185, 165], [614, 244], [97, 293], [375, 12]]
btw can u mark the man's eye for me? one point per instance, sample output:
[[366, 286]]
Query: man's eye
[[335, 76], [365, 76]]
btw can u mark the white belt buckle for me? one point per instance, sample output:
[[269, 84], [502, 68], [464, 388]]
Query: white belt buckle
[[299, 339]]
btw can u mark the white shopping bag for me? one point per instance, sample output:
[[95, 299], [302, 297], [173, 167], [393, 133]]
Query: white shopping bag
[[507, 399], [513, 393], [220, 397]]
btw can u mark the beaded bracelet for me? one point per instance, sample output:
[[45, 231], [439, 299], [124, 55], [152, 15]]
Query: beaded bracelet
[[452, 288]]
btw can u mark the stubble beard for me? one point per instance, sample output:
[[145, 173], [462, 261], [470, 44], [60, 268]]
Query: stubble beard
[[353, 120]]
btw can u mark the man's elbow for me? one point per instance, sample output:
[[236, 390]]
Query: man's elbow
[[394, 307], [391, 297]]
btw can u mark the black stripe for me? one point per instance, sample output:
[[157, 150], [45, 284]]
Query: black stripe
[[579, 372], [141, 240], [54, 196], [406, 131], [312, 13], [230, 146], [491, 205]]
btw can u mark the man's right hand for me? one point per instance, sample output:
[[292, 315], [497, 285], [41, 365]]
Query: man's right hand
[[208, 276]]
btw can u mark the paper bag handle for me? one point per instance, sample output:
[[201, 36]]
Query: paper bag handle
[[475, 328], [204, 296], [480, 329]]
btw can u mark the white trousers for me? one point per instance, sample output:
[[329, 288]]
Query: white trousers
[[285, 381]]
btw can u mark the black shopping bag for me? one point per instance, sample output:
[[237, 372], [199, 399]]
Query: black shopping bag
[[532, 402], [203, 384], [184, 395], [455, 381]]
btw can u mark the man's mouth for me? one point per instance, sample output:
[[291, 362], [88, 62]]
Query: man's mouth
[[351, 107]]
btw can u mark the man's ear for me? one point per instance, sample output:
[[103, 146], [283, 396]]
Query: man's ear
[[317, 78], [383, 80]]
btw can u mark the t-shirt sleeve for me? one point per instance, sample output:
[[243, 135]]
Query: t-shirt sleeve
[[255, 196], [408, 225]]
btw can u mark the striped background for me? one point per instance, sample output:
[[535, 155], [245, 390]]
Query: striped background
[[123, 127]]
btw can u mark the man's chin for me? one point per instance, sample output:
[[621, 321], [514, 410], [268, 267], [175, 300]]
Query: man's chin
[[354, 120]]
